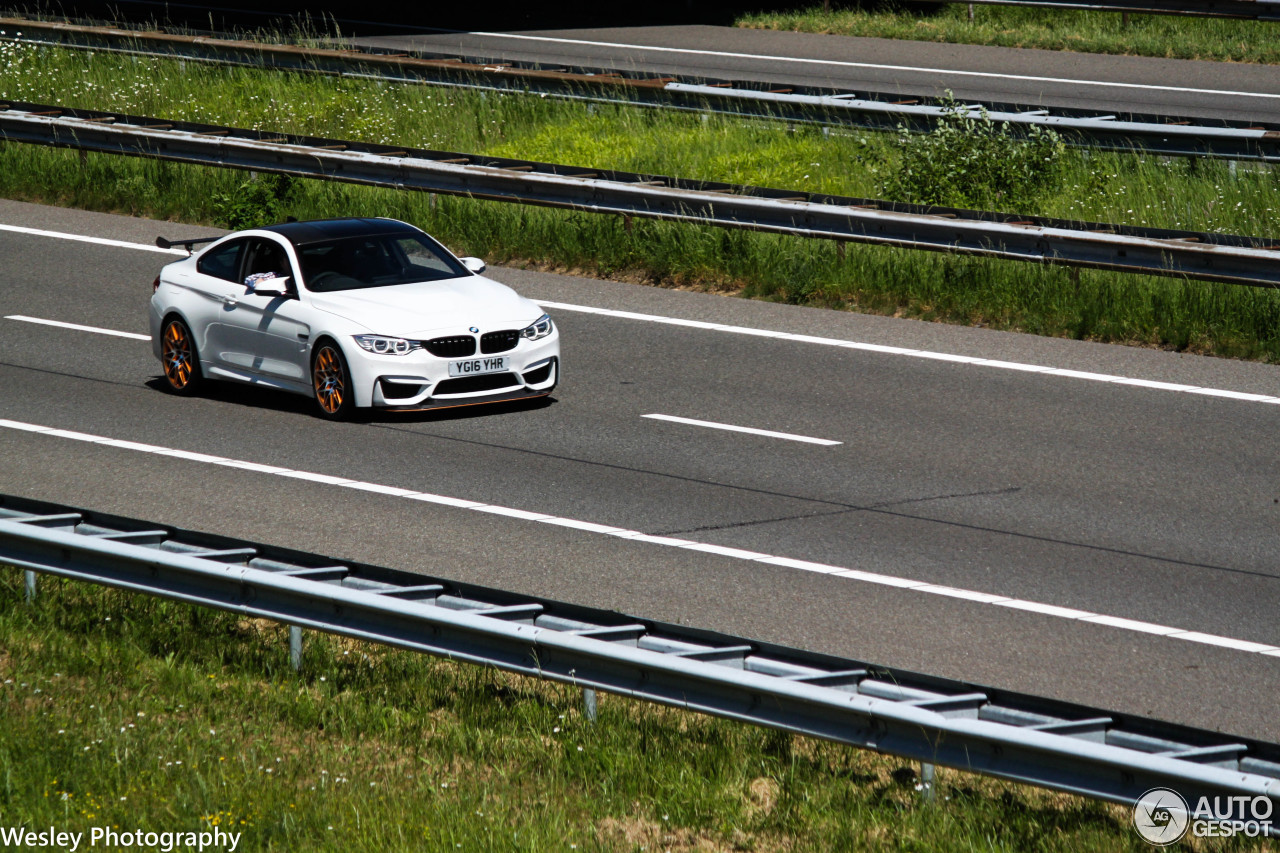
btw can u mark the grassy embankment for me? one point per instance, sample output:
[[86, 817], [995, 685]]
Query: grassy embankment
[[1191, 194], [1169, 36], [126, 711]]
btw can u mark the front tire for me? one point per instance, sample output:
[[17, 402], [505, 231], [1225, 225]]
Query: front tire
[[331, 382], [179, 358]]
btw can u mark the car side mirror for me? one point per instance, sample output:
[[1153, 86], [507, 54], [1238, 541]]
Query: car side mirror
[[273, 286], [476, 265]]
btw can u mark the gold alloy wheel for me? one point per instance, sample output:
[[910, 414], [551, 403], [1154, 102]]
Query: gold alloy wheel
[[178, 355], [329, 380]]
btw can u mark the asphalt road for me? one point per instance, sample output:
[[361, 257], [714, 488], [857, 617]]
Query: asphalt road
[[1123, 84], [1131, 502]]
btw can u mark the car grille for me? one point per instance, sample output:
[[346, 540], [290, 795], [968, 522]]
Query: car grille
[[456, 347], [491, 342], [476, 384]]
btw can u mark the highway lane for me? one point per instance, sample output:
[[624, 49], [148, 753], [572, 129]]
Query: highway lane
[[982, 74], [1132, 502]]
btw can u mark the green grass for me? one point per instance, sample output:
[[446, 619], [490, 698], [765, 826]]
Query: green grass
[[132, 712], [1190, 194], [1169, 36]]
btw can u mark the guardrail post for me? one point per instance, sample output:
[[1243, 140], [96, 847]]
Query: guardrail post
[[927, 772], [295, 647], [29, 586], [589, 703]]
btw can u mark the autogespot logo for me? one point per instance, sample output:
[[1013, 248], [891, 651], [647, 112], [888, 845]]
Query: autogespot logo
[[1161, 816]]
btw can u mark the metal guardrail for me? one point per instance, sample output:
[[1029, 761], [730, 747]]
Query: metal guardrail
[[937, 721], [1161, 135], [1181, 254]]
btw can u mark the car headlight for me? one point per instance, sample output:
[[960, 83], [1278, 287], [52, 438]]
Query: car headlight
[[383, 345], [540, 329]]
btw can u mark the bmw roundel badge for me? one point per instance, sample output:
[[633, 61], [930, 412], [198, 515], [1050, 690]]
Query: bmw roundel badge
[[474, 330]]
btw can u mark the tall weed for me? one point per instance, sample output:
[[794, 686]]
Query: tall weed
[[968, 160]]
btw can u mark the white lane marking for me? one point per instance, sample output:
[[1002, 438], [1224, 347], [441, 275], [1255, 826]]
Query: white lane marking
[[1131, 625], [1046, 609], [323, 479], [765, 432], [395, 493], [1224, 642], [960, 359], [77, 327], [724, 551], [880, 67], [967, 594], [81, 238], [785, 336], [460, 503], [588, 526], [804, 565], [522, 514]]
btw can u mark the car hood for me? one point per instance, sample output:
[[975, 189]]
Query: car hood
[[420, 310]]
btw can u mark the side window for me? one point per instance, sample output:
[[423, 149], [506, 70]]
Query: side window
[[266, 256], [223, 262]]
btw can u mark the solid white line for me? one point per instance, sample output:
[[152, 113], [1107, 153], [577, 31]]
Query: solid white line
[[587, 526], [460, 503], [914, 353], [77, 327], [967, 594], [877, 66], [765, 432], [81, 238], [521, 514], [393, 491], [725, 551], [767, 333], [1131, 625], [804, 565], [1045, 609], [1224, 642], [396, 493]]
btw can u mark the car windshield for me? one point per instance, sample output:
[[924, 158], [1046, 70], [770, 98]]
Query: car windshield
[[380, 260]]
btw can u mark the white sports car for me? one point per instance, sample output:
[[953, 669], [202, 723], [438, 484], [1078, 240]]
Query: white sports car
[[352, 312]]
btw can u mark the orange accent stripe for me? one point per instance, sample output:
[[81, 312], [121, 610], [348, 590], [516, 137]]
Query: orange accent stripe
[[464, 405]]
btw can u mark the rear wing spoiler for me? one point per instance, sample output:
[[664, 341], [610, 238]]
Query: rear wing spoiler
[[186, 244]]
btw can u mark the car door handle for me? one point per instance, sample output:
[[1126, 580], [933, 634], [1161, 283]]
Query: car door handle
[[231, 300]]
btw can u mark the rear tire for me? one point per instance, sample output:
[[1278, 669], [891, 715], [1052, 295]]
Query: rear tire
[[331, 382], [179, 358]]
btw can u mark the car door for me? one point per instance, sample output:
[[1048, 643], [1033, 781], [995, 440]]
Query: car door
[[267, 334], [217, 283]]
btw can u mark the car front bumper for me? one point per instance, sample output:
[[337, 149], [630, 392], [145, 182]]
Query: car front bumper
[[420, 380]]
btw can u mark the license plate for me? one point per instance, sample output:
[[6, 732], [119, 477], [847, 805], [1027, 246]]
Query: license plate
[[477, 366]]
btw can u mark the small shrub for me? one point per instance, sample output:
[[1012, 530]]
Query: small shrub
[[260, 200], [971, 161]]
